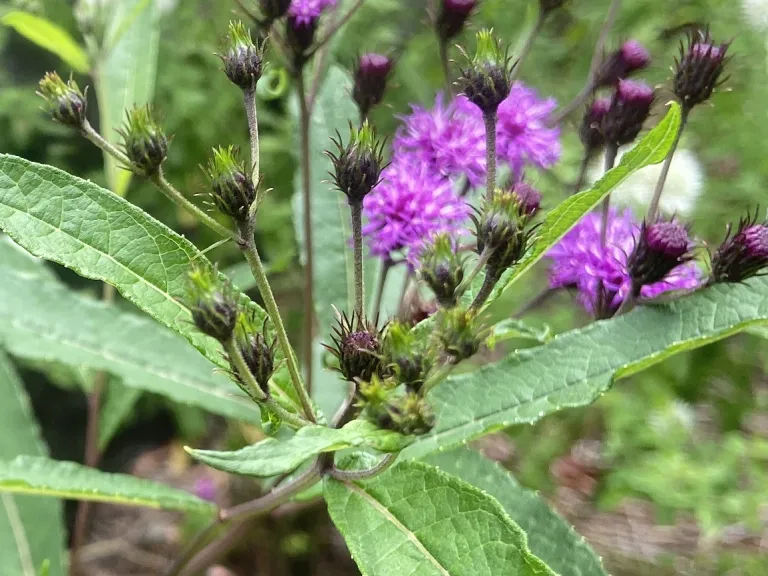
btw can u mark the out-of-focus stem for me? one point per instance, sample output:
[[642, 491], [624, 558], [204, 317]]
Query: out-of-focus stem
[[386, 265], [653, 208], [610, 158], [445, 64], [490, 280], [249, 98], [529, 40], [479, 265]]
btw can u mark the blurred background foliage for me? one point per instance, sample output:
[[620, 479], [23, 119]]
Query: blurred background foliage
[[688, 439]]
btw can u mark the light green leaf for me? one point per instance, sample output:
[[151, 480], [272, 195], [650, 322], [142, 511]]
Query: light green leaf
[[512, 328], [67, 480], [414, 519], [126, 76], [549, 536], [31, 530], [271, 457], [761, 331], [15, 257], [651, 149], [578, 366], [48, 35], [116, 410], [44, 321], [74, 222]]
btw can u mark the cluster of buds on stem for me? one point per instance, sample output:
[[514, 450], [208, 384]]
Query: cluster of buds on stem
[[407, 413], [144, 141], [357, 165], [485, 80], [243, 60], [63, 100]]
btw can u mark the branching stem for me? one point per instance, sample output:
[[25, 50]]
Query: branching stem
[[354, 475]]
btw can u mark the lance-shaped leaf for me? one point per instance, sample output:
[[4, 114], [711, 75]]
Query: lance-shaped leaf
[[46, 321], [46, 477], [549, 536], [48, 35], [415, 519], [577, 366], [271, 456], [31, 530]]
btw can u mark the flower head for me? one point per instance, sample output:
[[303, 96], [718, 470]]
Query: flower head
[[452, 16], [743, 255], [408, 206], [485, 80], [699, 69], [589, 132], [630, 108], [659, 248], [306, 12], [212, 302], [371, 75], [144, 141], [442, 268], [357, 166], [64, 101], [232, 191], [630, 57], [303, 17], [357, 346], [580, 261], [243, 59]]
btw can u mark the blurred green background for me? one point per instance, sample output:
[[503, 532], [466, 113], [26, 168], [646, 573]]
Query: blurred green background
[[668, 472]]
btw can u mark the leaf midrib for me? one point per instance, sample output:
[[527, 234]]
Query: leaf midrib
[[19, 535], [380, 508]]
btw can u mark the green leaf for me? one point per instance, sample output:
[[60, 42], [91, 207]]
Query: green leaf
[[48, 35], [512, 328], [15, 257], [271, 457], [414, 519], [126, 76], [74, 222], [67, 480], [549, 536], [578, 366], [45, 321], [31, 530], [116, 410], [651, 149]]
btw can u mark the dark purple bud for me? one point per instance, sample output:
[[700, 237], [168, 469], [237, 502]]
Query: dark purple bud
[[358, 165], [486, 80], [452, 16], [631, 57], [63, 100], [661, 247], [357, 346], [243, 59], [259, 356], [590, 133], [300, 35], [630, 108], [272, 10], [743, 255], [371, 78], [528, 199], [699, 68]]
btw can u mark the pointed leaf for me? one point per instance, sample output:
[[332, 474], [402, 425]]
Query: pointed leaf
[[49, 36], [271, 457], [577, 366], [414, 519], [31, 530], [46, 477], [549, 536], [48, 322]]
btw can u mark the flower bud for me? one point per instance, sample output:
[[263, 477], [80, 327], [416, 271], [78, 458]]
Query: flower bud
[[144, 141], [631, 57], [743, 255], [661, 247], [500, 228], [630, 108], [243, 60], [64, 102], [409, 414], [212, 303], [259, 356], [357, 166], [452, 17], [486, 82], [232, 193], [371, 77], [457, 334], [272, 10], [528, 200], [357, 346], [406, 357], [699, 69], [590, 133], [442, 269]]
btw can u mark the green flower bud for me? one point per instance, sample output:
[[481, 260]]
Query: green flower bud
[[64, 101], [486, 80], [358, 165], [409, 414], [500, 227], [212, 302], [258, 353], [458, 334], [243, 61], [442, 269], [406, 357], [144, 141], [233, 192]]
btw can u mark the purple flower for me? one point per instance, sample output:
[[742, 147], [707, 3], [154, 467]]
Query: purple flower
[[448, 140], [522, 134], [579, 260], [205, 488], [409, 205], [305, 12]]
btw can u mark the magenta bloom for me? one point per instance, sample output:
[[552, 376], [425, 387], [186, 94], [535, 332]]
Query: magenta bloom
[[579, 260], [522, 135], [305, 12], [408, 206], [448, 140]]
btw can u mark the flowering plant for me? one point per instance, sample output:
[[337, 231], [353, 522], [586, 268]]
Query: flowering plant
[[451, 214]]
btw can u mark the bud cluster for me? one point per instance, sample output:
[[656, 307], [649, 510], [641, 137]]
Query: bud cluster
[[406, 413], [486, 79], [357, 166]]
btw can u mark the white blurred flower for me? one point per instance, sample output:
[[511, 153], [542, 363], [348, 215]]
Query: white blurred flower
[[755, 13], [682, 188]]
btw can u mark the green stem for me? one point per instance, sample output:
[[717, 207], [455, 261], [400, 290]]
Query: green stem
[[446, 69], [259, 274], [491, 277], [490, 153], [653, 208], [249, 97], [438, 376], [582, 172], [239, 365], [467, 281], [610, 159], [355, 475], [357, 239], [386, 266], [96, 138]]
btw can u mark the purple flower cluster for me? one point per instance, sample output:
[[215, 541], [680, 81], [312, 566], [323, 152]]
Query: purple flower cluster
[[579, 260], [305, 12]]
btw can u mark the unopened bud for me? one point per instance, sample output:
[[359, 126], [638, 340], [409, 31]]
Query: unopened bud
[[528, 200], [243, 60], [409, 414], [212, 303], [144, 141], [357, 166], [357, 346], [458, 334], [630, 57], [590, 133], [500, 229], [259, 356], [64, 101], [743, 255], [233, 192], [699, 69], [630, 108], [406, 356], [452, 17], [371, 77], [661, 247], [486, 82], [442, 269]]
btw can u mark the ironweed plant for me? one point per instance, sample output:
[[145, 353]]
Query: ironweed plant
[[448, 217]]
